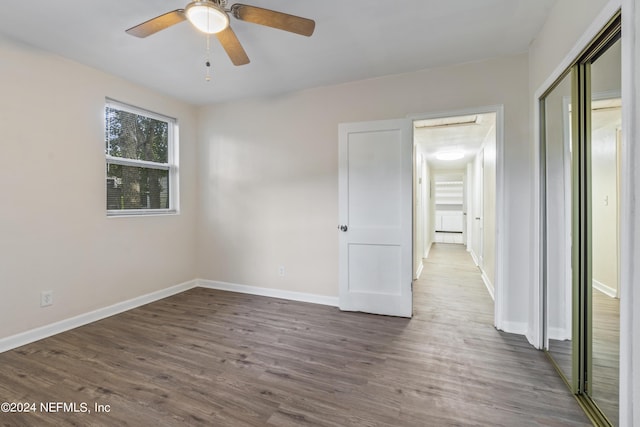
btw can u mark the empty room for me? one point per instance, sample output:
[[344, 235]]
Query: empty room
[[222, 214]]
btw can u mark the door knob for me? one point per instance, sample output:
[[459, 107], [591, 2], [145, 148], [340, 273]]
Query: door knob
[[343, 228]]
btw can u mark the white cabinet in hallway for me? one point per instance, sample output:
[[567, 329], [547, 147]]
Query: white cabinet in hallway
[[444, 237], [451, 221]]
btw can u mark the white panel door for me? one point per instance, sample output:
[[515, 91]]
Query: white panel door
[[375, 203]]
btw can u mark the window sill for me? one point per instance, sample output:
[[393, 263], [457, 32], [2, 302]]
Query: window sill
[[141, 213]]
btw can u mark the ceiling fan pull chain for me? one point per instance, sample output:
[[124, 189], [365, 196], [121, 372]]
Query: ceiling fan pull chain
[[208, 61]]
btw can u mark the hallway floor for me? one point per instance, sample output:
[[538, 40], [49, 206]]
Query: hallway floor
[[499, 377]]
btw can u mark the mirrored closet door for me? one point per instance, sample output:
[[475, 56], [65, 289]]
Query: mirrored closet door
[[581, 137]]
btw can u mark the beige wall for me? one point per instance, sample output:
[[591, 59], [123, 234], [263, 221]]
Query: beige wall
[[269, 173], [53, 226]]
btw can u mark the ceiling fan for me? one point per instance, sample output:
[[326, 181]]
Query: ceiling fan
[[212, 17]]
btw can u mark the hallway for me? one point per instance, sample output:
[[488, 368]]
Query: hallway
[[483, 376]]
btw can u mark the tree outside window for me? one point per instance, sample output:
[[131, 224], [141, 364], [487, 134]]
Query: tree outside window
[[140, 170]]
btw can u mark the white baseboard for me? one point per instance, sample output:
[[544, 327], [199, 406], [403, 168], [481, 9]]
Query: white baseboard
[[428, 250], [46, 331], [269, 292], [599, 286], [37, 334], [419, 271], [488, 285], [475, 259], [559, 334], [520, 328]]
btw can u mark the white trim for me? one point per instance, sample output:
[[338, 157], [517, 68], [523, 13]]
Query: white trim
[[173, 158], [427, 251], [130, 108], [502, 212], [140, 213], [519, 328], [535, 334], [474, 257], [419, 270], [269, 292], [559, 334], [629, 231], [601, 287], [123, 161], [46, 331], [534, 330], [488, 285]]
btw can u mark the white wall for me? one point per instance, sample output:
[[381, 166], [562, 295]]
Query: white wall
[[429, 208], [54, 233], [421, 217], [269, 171], [475, 211], [489, 208]]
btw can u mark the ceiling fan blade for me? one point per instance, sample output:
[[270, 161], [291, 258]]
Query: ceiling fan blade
[[158, 23], [232, 46], [273, 19]]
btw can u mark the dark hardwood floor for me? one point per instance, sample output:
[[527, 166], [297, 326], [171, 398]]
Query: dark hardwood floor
[[215, 358]]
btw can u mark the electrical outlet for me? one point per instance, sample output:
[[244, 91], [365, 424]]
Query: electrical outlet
[[46, 298], [281, 271]]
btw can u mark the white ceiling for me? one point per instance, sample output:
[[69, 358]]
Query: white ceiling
[[467, 138], [354, 39]]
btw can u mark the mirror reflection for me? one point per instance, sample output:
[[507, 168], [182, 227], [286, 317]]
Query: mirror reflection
[[557, 123], [606, 139]]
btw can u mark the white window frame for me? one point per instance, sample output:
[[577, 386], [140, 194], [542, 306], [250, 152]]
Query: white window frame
[[171, 165]]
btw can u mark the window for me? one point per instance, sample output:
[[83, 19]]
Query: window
[[140, 151]]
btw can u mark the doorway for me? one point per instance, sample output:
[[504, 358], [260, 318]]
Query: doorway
[[455, 188], [387, 210]]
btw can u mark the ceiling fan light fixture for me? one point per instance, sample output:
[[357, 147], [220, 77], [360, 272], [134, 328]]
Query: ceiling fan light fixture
[[207, 16]]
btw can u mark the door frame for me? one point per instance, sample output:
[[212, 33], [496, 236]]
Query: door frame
[[500, 264]]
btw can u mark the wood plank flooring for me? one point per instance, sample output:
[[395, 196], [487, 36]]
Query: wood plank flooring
[[215, 358], [606, 354]]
